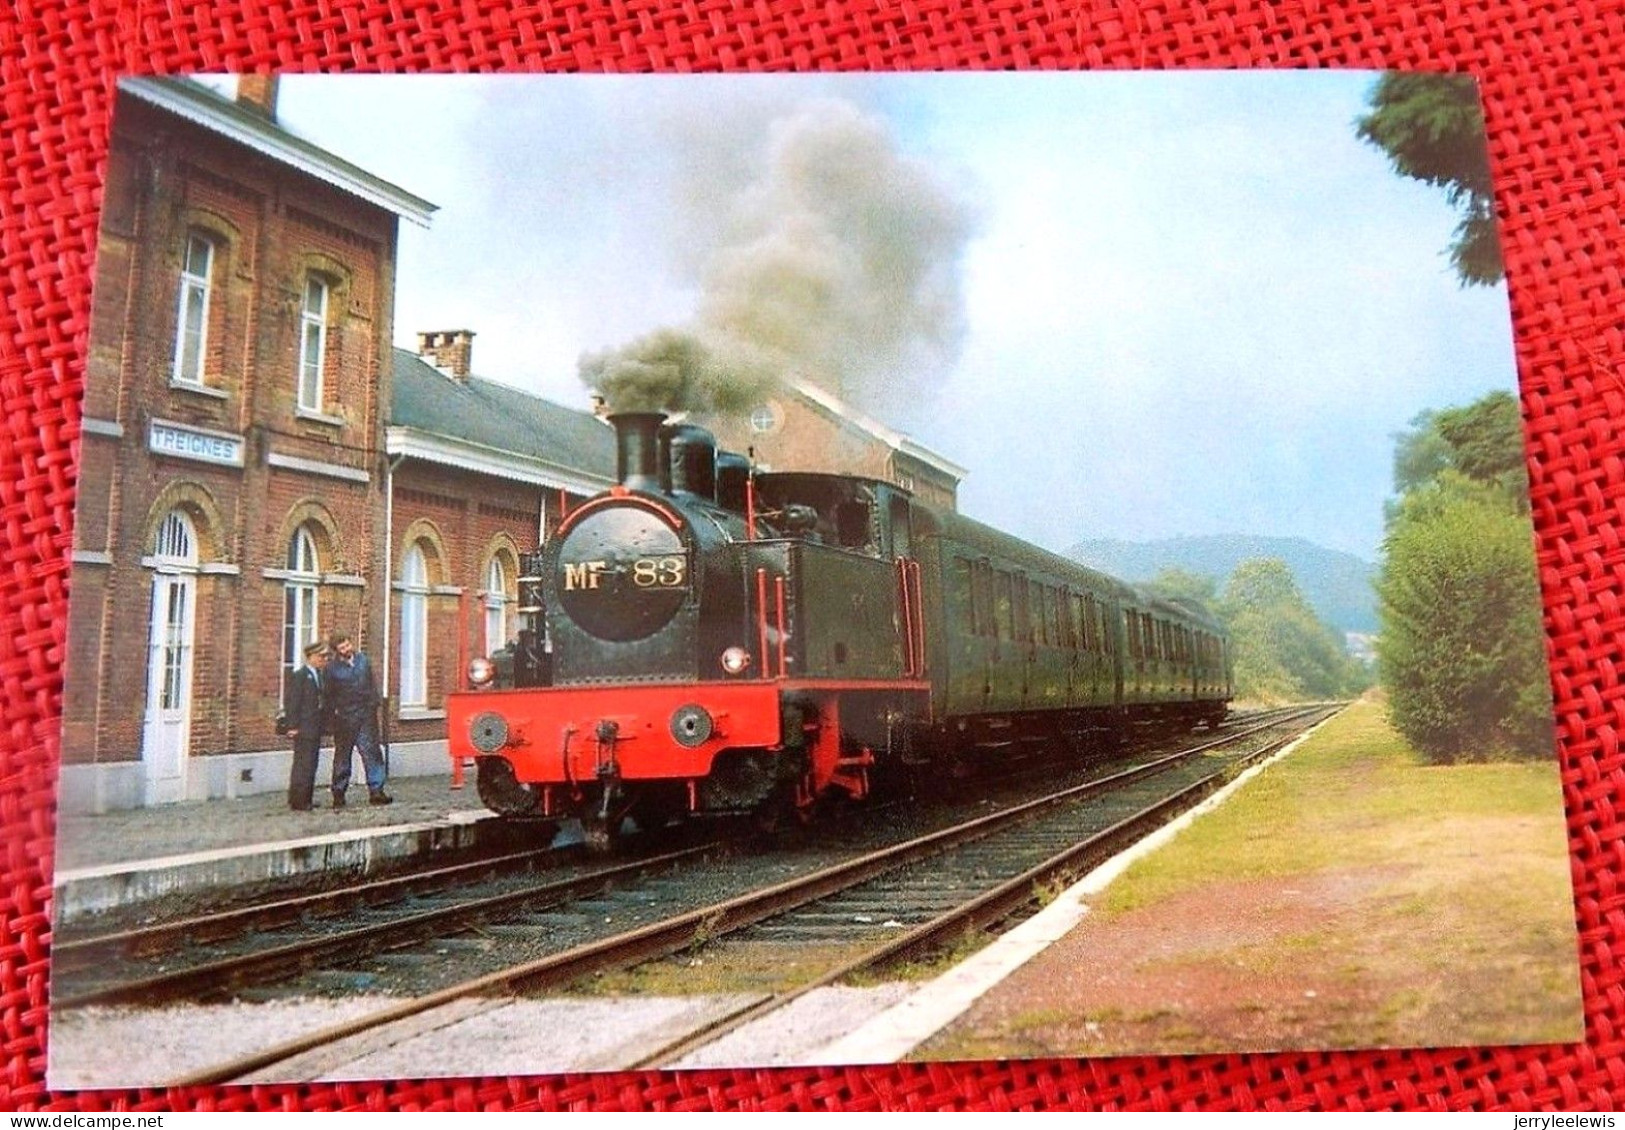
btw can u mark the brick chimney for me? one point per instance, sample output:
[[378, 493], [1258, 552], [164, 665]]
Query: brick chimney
[[451, 351], [257, 93]]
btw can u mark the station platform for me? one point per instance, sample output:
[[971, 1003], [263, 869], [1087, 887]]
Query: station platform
[[123, 859]]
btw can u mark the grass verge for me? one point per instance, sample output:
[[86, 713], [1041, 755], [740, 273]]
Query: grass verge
[[1348, 896]]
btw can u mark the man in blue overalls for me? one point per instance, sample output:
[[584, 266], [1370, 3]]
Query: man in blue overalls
[[352, 699]]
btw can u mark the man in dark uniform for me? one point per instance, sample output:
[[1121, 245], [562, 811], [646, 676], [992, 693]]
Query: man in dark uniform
[[352, 696], [305, 711]]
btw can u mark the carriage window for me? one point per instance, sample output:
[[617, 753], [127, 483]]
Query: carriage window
[[1024, 620], [965, 595], [1002, 605], [982, 589]]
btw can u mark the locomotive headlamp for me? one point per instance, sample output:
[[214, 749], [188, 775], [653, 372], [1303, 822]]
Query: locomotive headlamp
[[481, 671], [735, 660]]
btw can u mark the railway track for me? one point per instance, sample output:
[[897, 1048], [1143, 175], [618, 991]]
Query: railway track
[[211, 954], [934, 887]]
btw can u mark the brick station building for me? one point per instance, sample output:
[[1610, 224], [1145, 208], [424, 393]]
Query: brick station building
[[230, 490]]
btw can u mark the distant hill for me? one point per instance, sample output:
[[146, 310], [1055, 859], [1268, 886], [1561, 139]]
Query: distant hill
[[1337, 585]]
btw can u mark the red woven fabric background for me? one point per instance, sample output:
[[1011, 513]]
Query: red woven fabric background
[[1549, 73]]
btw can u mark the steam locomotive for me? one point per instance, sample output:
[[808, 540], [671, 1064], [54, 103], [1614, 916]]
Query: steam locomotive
[[705, 639]]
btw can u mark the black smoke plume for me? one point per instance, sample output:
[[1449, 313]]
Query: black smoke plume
[[838, 262]]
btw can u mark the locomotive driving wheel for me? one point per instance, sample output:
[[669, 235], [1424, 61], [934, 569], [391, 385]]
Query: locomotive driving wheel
[[500, 790]]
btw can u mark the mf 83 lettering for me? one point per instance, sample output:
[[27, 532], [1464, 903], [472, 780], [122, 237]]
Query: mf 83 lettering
[[647, 573], [659, 572]]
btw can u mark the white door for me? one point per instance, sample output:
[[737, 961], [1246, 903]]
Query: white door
[[165, 737]]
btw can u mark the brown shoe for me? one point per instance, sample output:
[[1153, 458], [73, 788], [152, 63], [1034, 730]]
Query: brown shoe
[[338, 800], [380, 797]]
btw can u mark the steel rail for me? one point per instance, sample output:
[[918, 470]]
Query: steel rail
[[983, 910], [685, 930], [236, 970]]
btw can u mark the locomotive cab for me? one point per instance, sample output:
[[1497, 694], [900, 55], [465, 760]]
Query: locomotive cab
[[864, 516]]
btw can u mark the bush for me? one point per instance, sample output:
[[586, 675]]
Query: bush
[[1462, 651]]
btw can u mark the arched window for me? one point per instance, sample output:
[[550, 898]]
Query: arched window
[[192, 316], [414, 628], [177, 543], [299, 624], [496, 607], [177, 560], [312, 344]]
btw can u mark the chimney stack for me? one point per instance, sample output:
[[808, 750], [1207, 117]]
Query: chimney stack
[[637, 451], [451, 351], [257, 93]]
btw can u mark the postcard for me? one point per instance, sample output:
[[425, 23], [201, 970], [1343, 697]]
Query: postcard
[[580, 573]]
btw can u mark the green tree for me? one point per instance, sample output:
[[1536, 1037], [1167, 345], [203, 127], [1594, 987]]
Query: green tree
[[1432, 128], [1461, 651], [1486, 444], [1420, 453], [1482, 441], [1282, 651]]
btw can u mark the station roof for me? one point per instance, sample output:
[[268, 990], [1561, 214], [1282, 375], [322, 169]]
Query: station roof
[[492, 428], [224, 116]]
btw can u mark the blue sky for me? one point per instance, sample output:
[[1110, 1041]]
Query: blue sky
[[1191, 302]]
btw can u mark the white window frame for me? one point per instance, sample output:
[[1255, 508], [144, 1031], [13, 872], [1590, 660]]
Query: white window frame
[[300, 605], [176, 552], [414, 629], [496, 606], [312, 343], [195, 286]]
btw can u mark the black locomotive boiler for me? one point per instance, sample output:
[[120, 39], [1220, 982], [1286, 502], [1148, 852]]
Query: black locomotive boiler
[[702, 638]]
